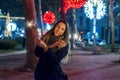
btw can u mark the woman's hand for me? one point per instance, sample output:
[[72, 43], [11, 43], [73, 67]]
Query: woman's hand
[[60, 43], [41, 44]]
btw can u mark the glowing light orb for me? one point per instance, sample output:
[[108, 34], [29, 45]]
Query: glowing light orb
[[11, 27], [100, 9], [49, 17]]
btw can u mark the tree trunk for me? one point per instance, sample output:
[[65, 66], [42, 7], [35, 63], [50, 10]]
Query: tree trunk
[[112, 27], [63, 14], [30, 15]]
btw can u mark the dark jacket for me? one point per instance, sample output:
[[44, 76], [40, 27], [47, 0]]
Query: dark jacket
[[48, 67]]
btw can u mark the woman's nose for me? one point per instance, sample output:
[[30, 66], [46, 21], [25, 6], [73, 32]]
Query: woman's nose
[[58, 29]]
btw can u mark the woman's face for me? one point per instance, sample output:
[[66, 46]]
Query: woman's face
[[59, 29]]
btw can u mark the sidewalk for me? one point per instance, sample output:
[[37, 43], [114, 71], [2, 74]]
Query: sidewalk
[[93, 67], [82, 66], [13, 53]]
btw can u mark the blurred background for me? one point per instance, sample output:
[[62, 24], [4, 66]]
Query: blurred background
[[94, 22]]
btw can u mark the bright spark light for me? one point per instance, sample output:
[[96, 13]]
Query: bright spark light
[[31, 23], [100, 9]]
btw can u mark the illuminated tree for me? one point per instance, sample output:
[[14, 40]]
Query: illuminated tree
[[76, 3], [67, 4], [95, 9], [100, 9], [30, 19]]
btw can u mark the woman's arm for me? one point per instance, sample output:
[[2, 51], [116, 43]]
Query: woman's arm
[[53, 58], [39, 52], [41, 44], [40, 48], [58, 56], [58, 43]]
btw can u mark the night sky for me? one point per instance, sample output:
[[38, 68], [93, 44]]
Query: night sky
[[14, 7]]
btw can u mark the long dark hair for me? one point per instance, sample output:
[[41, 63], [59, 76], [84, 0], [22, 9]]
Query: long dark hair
[[63, 37]]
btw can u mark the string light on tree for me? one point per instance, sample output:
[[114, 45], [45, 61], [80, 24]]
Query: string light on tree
[[77, 3], [95, 9], [100, 9], [30, 23], [67, 4]]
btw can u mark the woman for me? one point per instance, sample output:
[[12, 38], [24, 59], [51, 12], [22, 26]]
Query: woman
[[51, 49]]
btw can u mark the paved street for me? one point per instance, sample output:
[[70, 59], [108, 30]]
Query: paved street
[[83, 65]]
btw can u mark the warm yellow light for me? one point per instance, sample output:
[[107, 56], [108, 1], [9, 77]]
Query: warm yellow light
[[30, 23]]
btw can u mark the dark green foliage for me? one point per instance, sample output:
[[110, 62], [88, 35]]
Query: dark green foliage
[[7, 44], [20, 40]]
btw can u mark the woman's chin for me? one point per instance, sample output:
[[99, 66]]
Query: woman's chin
[[56, 34]]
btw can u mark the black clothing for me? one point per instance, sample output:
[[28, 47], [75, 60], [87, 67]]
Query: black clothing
[[49, 64]]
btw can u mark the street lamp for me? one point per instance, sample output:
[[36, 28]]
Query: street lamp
[[94, 9]]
